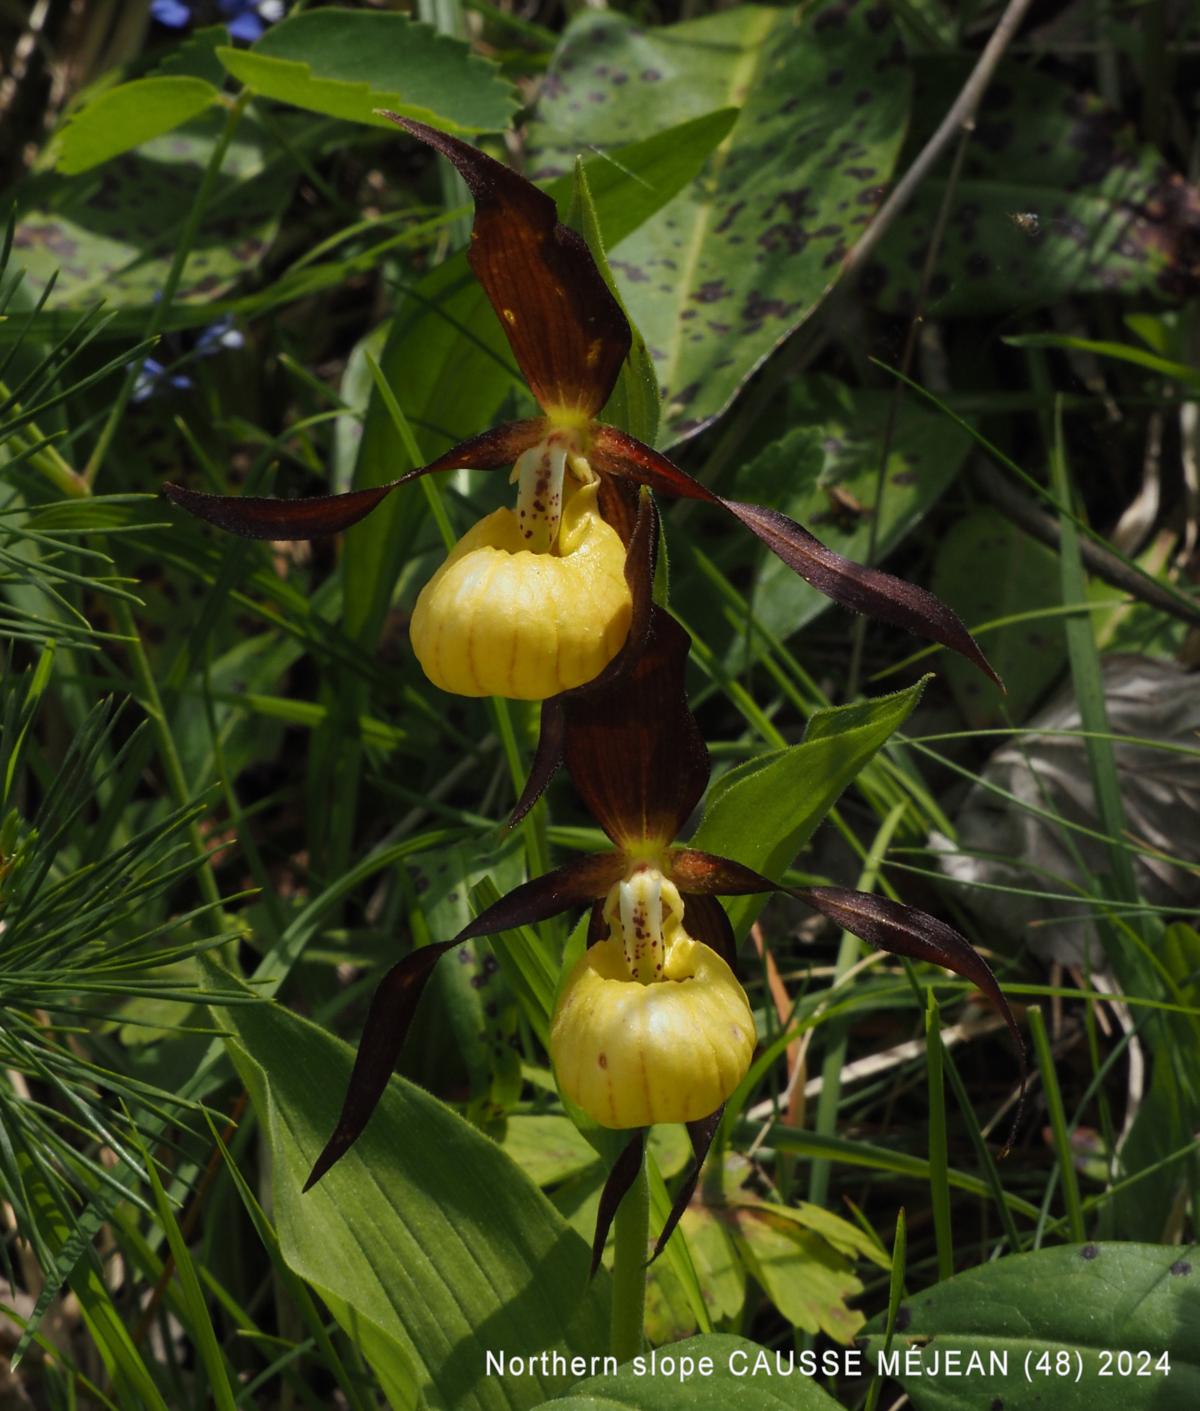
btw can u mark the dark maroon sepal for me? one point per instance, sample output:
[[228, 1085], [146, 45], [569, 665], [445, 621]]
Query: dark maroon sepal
[[633, 748], [904, 930], [641, 550], [257, 517], [702, 1133], [565, 328], [395, 1001], [620, 1178], [865, 590]]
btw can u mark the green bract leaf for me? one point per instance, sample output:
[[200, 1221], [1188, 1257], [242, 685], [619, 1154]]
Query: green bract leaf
[[128, 115], [741, 257], [676, 1384], [346, 63], [422, 1240], [1086, 1328], [763, 812]]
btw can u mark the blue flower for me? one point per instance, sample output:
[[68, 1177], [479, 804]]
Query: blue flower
[[153, 377], [219, 335], [246, 19], [171, 13]]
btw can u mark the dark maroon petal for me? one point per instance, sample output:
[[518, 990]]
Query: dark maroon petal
[[388, 1019], [633, 748], [488, 451], [904, 930], [620, 1178], [546, 757], [889, 925], [865, 590], [707, 921], [395, 1001], [702, 1133], [257, 517], [705, 874], [565, 328]]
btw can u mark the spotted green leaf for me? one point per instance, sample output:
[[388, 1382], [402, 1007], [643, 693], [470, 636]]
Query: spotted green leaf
[[743, 255], [1057, 197], [128, 115], [347, 63], [112, 237]]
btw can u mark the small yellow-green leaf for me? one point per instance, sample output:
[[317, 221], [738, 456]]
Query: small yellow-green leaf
[[126, 116]]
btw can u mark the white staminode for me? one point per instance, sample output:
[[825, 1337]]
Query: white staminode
[[646, 907], [539, 475]]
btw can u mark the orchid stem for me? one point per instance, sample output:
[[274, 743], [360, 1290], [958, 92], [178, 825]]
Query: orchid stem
[[631, 1230]]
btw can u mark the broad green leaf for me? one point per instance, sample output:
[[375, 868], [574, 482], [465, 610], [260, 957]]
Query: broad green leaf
[[708, 1373], [128, 115], [347, 63], [824, 473], [449, 364], [990, 569], [113, 237], [763, 812], [1057, 197], [428, 1244], [1081, 1327], [742, 256]]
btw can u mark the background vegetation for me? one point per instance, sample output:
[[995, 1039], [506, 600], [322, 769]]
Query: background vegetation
[[230, 799]]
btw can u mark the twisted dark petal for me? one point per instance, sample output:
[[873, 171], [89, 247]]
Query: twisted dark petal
[[395, 1001], [640, 554], [865, 590], [620, 1178], [706, 920], [565, 328], [259, 517], [704, 874], [633, 748], [546, 757], [889, 925], [904, 930], [702, 1133]]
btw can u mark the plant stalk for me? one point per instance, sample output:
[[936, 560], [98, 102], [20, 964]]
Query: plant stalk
[[631, 1231]]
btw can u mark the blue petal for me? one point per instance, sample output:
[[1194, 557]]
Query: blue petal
[[172, 13], [246, 26]]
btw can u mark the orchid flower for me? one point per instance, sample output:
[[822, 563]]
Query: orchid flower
[[538, 601], [651, 1024]]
